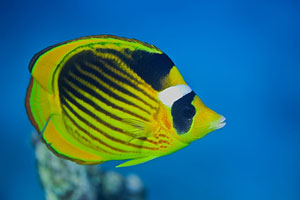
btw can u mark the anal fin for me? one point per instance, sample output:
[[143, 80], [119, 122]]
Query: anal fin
[[63, 148], [136, 161]]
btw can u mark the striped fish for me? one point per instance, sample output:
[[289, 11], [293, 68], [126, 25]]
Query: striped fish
[[101, 98]]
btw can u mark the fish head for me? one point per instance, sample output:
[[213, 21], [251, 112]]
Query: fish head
[[203, 122], [191, 118]]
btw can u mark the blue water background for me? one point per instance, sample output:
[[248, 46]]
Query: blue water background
[[241, 57]]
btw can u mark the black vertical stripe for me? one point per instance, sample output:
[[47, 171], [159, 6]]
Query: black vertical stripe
[[103, 62], [125, 56], [89, 101], [96, 107], [183, 112], [44, 51], [85, 58], [95, 95], [90, 135], [109, 82], [70, 67], [108, 136], [91, 114], [116, 66], [92, 127], [89, 57]]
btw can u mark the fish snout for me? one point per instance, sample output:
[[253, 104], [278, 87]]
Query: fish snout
[[220, 123]]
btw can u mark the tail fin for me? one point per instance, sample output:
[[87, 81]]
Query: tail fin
[[37, 105], [38, 108]]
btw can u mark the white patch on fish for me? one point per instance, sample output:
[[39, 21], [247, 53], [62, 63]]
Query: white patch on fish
[[171, 94]]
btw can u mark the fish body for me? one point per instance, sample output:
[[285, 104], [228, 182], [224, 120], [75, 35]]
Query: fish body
[[101, 98]]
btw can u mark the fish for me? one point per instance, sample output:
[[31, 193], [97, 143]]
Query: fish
[[100, 98]]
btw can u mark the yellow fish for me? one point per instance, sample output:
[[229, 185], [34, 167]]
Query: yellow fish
[[101, 98]]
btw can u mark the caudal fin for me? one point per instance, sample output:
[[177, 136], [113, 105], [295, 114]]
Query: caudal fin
[[39, 112], [37, 105]]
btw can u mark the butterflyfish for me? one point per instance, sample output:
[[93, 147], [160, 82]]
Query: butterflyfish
[[101, 98]]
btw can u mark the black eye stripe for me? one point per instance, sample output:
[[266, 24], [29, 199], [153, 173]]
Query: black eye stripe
[[182, 112]]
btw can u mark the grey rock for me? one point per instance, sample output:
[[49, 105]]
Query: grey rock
[[65, 180]]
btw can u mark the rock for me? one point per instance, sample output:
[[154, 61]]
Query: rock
[[65, 180]]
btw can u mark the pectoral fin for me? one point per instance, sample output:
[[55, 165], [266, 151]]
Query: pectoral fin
[[141, 129], [136, 161]]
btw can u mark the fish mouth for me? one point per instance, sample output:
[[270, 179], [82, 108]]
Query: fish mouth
[[220, 123]]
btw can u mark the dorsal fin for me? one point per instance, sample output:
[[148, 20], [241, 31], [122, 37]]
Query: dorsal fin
[[45, 64]]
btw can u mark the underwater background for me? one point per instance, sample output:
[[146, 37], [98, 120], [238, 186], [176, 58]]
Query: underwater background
[[242, 58]]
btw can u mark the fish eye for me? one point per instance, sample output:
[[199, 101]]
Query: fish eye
[[189, 112]]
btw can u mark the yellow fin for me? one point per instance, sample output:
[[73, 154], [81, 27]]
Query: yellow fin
[[37, 105], [141, 129], [46, 64], [65, 149], [136, 161]]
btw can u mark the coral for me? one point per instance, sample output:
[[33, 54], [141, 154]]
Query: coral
[[63, 179]]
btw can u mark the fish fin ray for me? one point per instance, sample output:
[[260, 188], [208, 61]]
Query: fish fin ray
[[37, 105], [140, 129], [62, 148], [136, 161]]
